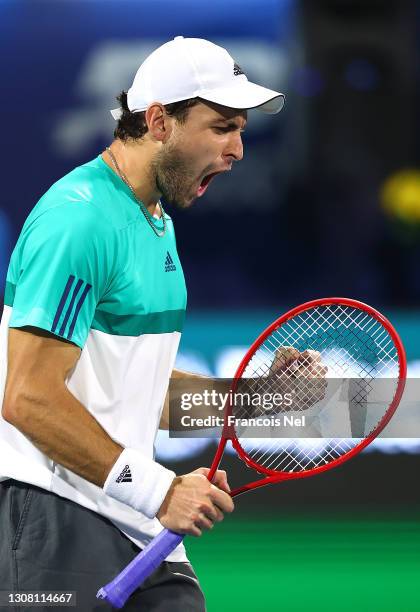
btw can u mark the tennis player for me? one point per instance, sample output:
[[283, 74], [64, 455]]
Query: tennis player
[[94, 307]]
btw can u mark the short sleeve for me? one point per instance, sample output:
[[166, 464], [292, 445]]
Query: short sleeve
[[60, 269]]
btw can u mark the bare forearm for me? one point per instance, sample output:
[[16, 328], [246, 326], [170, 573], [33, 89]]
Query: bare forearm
[[188, 383], [61, 427], [176, 375]]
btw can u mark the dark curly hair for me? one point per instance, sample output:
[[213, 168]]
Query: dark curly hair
[[133, 125]]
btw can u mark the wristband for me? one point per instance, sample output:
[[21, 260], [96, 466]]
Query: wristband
[[139, 482]]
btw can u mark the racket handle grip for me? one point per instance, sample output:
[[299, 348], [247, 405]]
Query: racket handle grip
[[135, 573]]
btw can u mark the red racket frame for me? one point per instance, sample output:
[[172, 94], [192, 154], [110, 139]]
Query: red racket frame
[[272, 476]]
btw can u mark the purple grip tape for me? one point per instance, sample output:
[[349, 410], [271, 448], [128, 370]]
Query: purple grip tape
[[119, 590]]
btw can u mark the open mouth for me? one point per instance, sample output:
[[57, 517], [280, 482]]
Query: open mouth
[[205, 183]]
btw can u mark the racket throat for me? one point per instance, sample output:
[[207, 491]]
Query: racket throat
[[259, 483]]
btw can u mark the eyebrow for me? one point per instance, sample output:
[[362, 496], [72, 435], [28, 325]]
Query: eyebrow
[[230, 124]]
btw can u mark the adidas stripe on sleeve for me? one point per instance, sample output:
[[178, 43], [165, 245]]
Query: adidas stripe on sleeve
[[59, 270]]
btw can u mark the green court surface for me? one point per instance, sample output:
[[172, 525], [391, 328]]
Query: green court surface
[[294, 562]]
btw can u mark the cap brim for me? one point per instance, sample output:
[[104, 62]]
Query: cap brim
[[246, 95]]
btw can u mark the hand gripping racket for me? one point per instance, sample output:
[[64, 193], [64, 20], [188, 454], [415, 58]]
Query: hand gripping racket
[[355, 342]]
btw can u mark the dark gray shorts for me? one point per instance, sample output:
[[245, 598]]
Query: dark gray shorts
[[49, 543]]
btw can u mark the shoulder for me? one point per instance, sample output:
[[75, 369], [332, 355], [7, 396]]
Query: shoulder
[[67, 228], [79, 221], [73, 205], [94, 191], [86, 183]]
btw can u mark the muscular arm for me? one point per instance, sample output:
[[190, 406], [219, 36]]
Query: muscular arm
[[39, 404]]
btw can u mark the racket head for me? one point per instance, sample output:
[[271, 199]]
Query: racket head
[[352, 337]]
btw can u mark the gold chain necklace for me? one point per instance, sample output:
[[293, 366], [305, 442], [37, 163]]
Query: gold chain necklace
[[144, 210]]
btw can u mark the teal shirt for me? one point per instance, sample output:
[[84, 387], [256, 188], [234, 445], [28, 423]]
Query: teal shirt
[[87, 258]]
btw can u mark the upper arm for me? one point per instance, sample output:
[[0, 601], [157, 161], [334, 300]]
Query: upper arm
[[60, 270], [38, 366], [58, 273]]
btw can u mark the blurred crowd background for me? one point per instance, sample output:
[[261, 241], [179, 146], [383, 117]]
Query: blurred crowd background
[[326, 202], [327, 198]]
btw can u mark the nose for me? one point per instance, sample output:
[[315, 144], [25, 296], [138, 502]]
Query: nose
[[235, 149]]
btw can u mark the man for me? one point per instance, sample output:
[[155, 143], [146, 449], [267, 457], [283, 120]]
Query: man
[[94, 306]]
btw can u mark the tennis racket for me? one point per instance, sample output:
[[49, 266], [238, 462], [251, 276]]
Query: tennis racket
[[355, 342]]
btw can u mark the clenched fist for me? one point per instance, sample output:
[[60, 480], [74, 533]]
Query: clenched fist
[[300, 374]]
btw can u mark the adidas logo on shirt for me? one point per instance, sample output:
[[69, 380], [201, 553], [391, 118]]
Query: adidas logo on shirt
[[169, 263], [125, 475]]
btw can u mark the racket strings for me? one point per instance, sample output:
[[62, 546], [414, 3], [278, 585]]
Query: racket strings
[[341, 328], [302, 454], [353, 345]]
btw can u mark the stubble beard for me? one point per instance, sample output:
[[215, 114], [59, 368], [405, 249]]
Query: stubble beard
[[174, 178]]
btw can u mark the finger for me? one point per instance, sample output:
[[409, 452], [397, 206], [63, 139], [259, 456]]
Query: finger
[[213, 513], [202, 470], [318, 371], [194, 531], [311, 356], [220, 480], [284, 356], [203, 522], [219, 515], [309, 369], [324, 370], [301, 367], [221, 499], [210, 511]]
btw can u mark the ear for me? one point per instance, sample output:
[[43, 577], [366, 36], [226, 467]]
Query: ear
[[159, 123]]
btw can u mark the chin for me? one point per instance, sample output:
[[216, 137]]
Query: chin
[[184, 203], [179, 200]]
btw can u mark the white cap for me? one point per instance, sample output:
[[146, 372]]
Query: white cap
[[186, 68]]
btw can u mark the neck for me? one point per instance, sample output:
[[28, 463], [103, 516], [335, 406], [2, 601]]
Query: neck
[[135, 161]]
